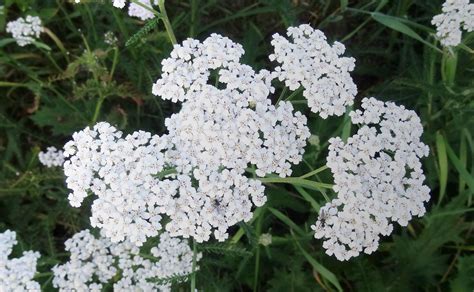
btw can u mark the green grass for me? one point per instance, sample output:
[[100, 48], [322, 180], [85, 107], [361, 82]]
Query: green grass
[[71, 79]]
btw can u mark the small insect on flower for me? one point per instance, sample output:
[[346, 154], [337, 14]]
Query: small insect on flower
[[217, 206], [323, 215]]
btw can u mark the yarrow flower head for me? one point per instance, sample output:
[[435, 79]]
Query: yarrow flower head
[[378, 179], [189, 67], [221, 130], [120, 172], [220, 200], [25, 30], [456, 14], [95, 262], [124, 174], [52, 157], [227, 127], [16, 274], [136, 10], [306, 59]]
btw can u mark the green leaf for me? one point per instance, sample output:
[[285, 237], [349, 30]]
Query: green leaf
[[343, 4], [346, 129], [463, 160], [296, 181], [224, 249], [460, 168], [3, 17], [41, 45], [397, 24], [443, 165], [328, 275], [6, 41], [464, 280], [143, 32], [48, 13], [59, 117], [283, 218], [308, 198]]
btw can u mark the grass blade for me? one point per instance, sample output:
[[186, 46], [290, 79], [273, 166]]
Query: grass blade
[[443, 165], [396, 24], [460, 168], [283, 218], [328, 275]]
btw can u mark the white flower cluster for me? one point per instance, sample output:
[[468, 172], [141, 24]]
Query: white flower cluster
[[16, 274], [219, 128], [230, 127], [97, 261], [120, 171], [455, 14], [378, 179], [136, 10], [52, 157], [219, 131], [110, 38], [309, 61], [189, 67], [25, 30], [220, 200]]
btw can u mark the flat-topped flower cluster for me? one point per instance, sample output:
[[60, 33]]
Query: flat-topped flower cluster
[[456, 15], [25, 30], [16, 274], [309, 61], [95, 262], [378, 179], [217, 134], [192, 181], [51, 157]]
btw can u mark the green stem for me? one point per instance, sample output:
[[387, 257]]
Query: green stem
[[192, 30], [166, 172], [166, 22], [311, 173], [281, 95], [448, 66], [114, 63], [193, 275], [97, 108], [294, 93], [258, 231], [48, 54], [40, 275], [241, 231], [101, 99], [58, 42], [297, 181]]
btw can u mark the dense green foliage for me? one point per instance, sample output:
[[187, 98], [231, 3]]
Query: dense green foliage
[[71, 79]]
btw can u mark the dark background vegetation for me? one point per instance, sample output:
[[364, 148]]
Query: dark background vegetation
[[50, 89]]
